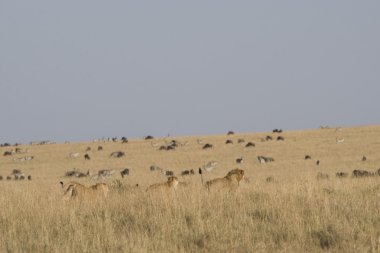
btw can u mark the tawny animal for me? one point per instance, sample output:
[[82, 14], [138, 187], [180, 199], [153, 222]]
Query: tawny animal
[[230, 182], [79, 192], [168, 186]]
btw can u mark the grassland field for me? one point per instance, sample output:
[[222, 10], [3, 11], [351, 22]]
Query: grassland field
[[295, 213]]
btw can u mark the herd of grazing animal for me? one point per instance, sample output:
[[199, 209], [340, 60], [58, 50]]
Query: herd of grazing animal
[[231, 181]]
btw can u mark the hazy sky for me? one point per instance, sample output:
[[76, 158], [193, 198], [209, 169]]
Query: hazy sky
[[78, 70]]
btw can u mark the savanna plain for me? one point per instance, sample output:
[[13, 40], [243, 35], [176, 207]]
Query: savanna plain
[[295, 210]]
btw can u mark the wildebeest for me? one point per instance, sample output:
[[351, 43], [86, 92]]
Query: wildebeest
[[8, 153], [29, 177], [321, 175], [270, 179], [263, 159], [117, 154], [239, 160], [169, 173], [280, 138], [307, 157], [230, 133], [277, 130], [268, 138], [124, 172], [364, 159], [240, 140], [1, 177], [87, 157], [229, 142], [362, 173], [100, 148], [317, 162], [148, 137], [9, 177], [341, 174], [187, 172], [124, 140], [250, 144], [207, 146], [169, 147], [88, 149]]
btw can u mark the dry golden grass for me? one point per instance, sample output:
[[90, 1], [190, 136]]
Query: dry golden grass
[[295, 213]]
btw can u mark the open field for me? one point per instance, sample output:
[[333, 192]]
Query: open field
[[294, 213]]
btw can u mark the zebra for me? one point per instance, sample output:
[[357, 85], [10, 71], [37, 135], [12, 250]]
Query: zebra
[[74, 155], [263, 159]]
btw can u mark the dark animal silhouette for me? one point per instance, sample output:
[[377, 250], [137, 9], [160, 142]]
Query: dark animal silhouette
[[187, 172], [362, 173], [169, 173], [87, 157], [124, 172], [207, 146], [229, 142], [341, 174], [8, 153], [117, 154], [250, 144], [148, 137]]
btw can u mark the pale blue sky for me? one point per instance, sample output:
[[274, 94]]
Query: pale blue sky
[[78, 70]]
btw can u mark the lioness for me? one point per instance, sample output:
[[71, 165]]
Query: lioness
[[76, 191], [170, 185], [230, 181]]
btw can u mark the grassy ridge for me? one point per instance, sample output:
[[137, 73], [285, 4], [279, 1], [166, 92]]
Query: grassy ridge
[[295, 213]]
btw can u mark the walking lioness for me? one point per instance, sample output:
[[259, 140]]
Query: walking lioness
[[76, 191], [170, 185], [229, 182]]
